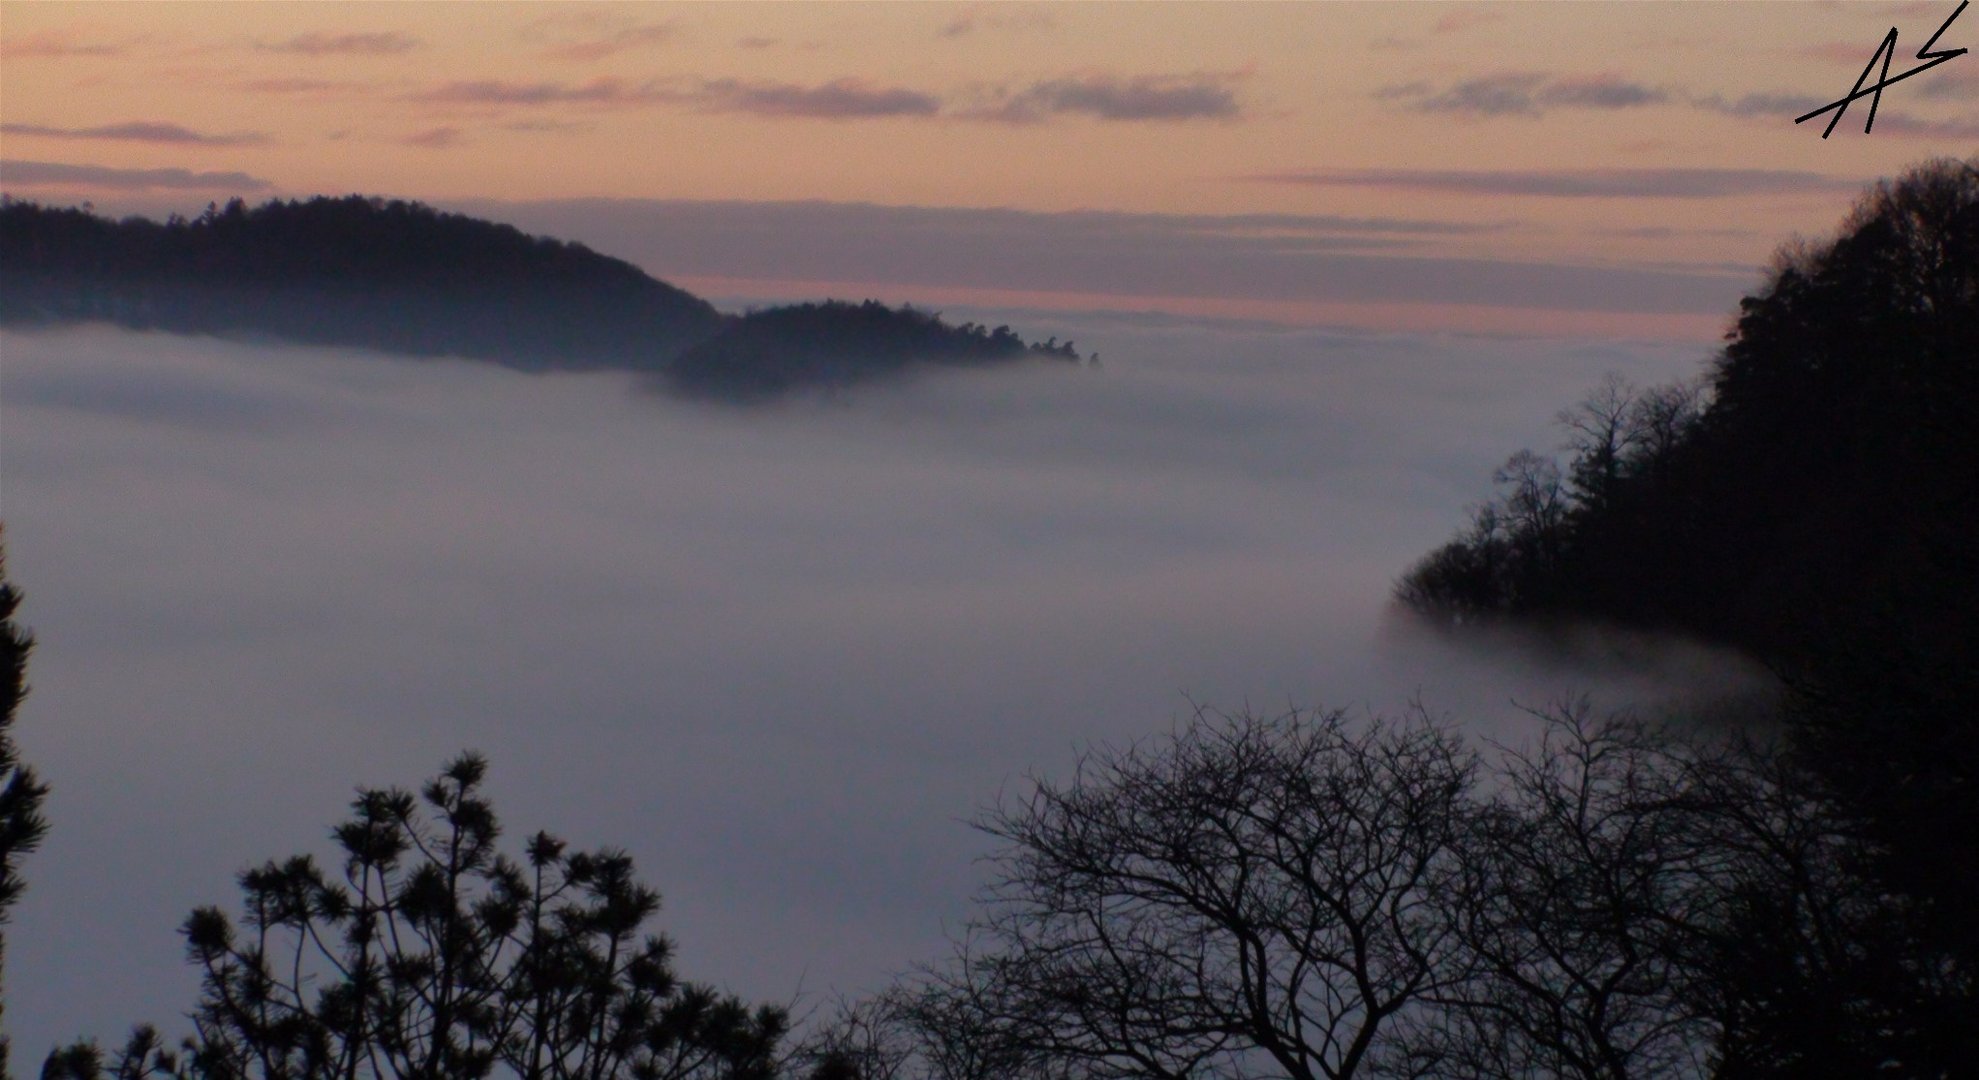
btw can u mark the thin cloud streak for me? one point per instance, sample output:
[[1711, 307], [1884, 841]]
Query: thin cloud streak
[[1580, 183], [1458, 21], [58, 174], [1110, 97], [308, 86], [607, 92], [1961, 87], [613, 41], [439, 138], [317, 43], [1764, 105], [1527, 94], [846, 98], [1255, 258], [1784, 107], [150, 131], [840, 99], [1113, 98], [55, 44], [996, 17]]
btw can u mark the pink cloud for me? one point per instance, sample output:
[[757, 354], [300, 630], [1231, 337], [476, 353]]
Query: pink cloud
[[1855, 53], [439, 138], [996, 17], [590, 36], [1457, 21], [606, 92], [589, 51], [841, 99], [316, 43], [65, 175], [55, 43], [846, 98], [1202, 96], [150, 131], [317, 87]]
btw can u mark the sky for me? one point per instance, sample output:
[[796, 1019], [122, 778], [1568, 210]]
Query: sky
[[1340, 261], [1617, 167]]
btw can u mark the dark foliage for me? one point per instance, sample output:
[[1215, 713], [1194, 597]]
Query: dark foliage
[[431, 955], [1817, 510], [769, 353], [354, 271], [1304, 897], [1834, 470], [405, 278], [21, 792]]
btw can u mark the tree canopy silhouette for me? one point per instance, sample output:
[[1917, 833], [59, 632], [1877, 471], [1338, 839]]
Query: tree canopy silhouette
[[1308, 897], [430, 954], [22, 825], [772, 352], [1829, 463], [1814, 503], [406, 278]]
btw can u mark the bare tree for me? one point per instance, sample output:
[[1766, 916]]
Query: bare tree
[[1602, 434], [1580, 881], [1247, 894], [1662, 419]]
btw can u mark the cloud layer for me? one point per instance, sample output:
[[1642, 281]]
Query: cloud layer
[[1523, 94], [318, 43], [775, 655], [34, 174], [1583, 183], [1286, 257], [1107, 97], [151, 131], [1104, 97]]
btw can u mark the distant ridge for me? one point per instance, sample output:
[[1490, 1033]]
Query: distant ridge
[[405, 278]]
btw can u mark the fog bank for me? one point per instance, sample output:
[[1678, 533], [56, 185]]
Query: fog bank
[[780, 655]]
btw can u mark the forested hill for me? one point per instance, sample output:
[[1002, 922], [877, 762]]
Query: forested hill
[[771, 352], [1823, 477], [402, 277], [396, 276], [1813, 501]]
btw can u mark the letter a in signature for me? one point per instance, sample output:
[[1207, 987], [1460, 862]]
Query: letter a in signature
[[1885, 52]]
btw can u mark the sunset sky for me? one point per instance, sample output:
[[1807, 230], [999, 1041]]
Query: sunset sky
[[1528, 168]]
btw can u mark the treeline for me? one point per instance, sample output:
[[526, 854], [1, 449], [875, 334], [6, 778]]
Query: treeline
[[1823, 476], [354, 271], [405, 278], [1298, 896], [1303, 896], [832, 344], [1814, 501]]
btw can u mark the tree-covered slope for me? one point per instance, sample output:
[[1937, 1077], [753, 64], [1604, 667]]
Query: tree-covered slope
[[772, 352], [396, 276], [1814, 502], [405, 278], [1824, 476]]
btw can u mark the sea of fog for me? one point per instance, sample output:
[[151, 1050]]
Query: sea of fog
[[779, 655]]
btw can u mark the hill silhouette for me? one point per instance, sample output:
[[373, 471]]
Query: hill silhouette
[[771, 352], [405, 278], [1823, 476], [1814, 501]]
